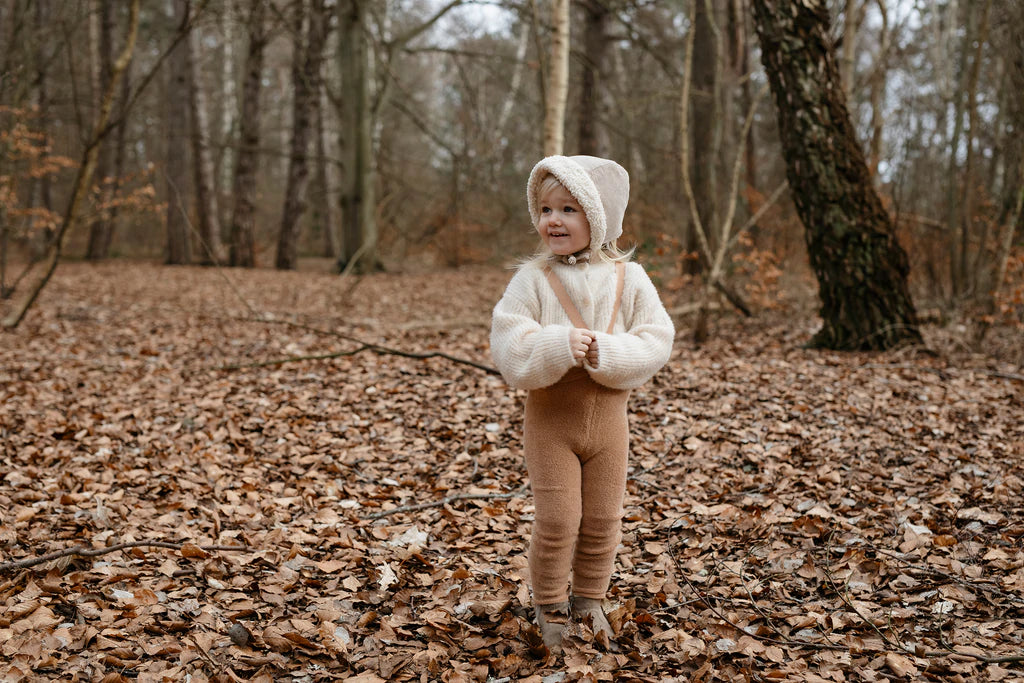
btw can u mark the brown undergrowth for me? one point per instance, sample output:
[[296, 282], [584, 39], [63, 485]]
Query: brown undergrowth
[[791, 514]]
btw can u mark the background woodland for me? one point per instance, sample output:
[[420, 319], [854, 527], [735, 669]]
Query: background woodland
[[384, 134]]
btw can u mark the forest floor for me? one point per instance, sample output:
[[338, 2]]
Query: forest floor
[[791, 514]]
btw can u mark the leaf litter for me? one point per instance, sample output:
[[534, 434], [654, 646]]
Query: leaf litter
[[790, 514]]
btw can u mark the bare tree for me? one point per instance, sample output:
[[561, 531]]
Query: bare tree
[[558, 80], [203, 174], [359, 109], [309, 30], [594, 98], [242, 248], [323, 214], [101, 228], [359, 227], [861, 268], [179, 247]]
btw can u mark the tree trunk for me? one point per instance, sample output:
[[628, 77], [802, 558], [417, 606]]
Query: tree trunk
[[861, 268], [306, 59], [242, 249], [878, 79], [179, 250], [101, 228], [323, 208], [228, 106], [741, 18], [359, 226], [207, 211], [594, 105], [558, 80], [44, 184], [853, 17], [967, 187], [954, 209], [707, 120]]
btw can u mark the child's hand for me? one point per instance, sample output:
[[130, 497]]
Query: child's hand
[[592, 356], [579, 342]]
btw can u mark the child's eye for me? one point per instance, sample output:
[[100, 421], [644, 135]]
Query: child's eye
[[545, 209], [569, 209]]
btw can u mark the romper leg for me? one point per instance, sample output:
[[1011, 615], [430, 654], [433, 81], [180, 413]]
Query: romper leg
[[554, 471], [603, 479]]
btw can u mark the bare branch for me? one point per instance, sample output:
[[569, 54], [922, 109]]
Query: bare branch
[[84, 551]]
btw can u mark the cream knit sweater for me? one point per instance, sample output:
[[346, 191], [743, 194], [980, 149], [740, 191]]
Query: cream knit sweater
[[530, 331]]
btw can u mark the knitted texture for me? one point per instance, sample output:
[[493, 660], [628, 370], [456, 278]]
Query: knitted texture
[[601, 187], [530, 331], [576, 444]]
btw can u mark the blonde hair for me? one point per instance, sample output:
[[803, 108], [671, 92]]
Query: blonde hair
[[609, 253]]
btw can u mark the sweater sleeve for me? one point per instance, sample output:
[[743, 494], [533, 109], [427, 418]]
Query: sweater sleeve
[[528, 355], [626, 360]]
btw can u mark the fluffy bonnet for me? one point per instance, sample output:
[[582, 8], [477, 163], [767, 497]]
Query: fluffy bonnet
[[601, 187]]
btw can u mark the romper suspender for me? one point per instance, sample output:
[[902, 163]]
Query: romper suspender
[[570, 308]]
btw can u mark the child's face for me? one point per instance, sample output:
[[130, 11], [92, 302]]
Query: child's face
[[562, 225]]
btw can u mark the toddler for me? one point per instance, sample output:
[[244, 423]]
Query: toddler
[[578, 326]]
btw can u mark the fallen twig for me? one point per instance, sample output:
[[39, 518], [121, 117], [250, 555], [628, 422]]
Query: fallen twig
[[363, 346], [84, 551], [449, 499]]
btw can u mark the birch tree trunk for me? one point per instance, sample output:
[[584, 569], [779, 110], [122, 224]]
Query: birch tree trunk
[[853, 17], [861, 268], [306, 63], [228, 103], [179, 249], [877, 84], [558, 80], [207, 210], [242, 247]]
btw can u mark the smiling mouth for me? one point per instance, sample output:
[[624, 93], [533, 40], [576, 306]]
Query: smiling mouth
[[558, 234]]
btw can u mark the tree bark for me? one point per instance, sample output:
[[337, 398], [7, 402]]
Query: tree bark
[[203, 175], [878, 79], [358, 202], [228, 105], [242, 248], [708, 122], [323, 208], [306, 61], [967, 187], [594, 107], [954, 209], [101, 228], [179, 248], [861, 268], [853, 17], [558, 80]]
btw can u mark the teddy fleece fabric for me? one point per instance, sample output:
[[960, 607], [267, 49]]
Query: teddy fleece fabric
[[601, 186], [530, 331]]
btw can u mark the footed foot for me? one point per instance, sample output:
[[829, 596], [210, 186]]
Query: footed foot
[[582, 608], [552, 619]]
